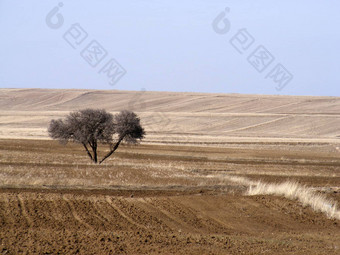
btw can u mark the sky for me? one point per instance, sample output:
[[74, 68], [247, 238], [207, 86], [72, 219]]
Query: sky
[[238, 46]]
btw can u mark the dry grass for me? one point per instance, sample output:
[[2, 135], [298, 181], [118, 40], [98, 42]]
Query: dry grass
[[293, 190]]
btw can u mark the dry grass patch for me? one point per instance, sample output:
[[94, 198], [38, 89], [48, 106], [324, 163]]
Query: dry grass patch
[[293, 190]]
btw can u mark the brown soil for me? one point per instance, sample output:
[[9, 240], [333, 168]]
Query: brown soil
[[152, 199], [43, 222]]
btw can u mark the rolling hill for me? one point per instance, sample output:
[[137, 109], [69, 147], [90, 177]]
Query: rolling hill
[[174, 117]]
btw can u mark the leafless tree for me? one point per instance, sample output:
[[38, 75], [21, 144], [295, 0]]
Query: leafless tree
[[90, 127]]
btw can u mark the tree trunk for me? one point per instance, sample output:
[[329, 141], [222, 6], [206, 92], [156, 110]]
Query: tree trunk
[[94, 149], [112, 151]]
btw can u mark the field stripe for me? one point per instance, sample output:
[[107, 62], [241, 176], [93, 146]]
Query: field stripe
[[74, 213], [121, 213], [23, 210]]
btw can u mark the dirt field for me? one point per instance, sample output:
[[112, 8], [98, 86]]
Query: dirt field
[[163, 199], [216, 174]]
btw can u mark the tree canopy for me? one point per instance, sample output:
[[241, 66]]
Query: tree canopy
[[92, 126]]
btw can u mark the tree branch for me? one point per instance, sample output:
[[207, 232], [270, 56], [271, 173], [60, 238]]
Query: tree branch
[[88, 152], [112, 150]]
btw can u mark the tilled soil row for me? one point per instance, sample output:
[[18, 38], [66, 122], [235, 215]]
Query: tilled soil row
[[52, 222]]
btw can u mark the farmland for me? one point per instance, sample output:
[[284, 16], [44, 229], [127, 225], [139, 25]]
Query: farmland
[[184, 190]]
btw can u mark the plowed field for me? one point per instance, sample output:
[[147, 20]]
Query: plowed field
[[161, 199]]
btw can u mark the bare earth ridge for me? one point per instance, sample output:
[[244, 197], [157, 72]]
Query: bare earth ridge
[[180, 117]]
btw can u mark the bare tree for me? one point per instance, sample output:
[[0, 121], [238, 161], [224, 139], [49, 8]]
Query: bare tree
[[90, 127]]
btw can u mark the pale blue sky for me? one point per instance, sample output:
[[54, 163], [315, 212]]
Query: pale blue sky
[[172, 45]]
